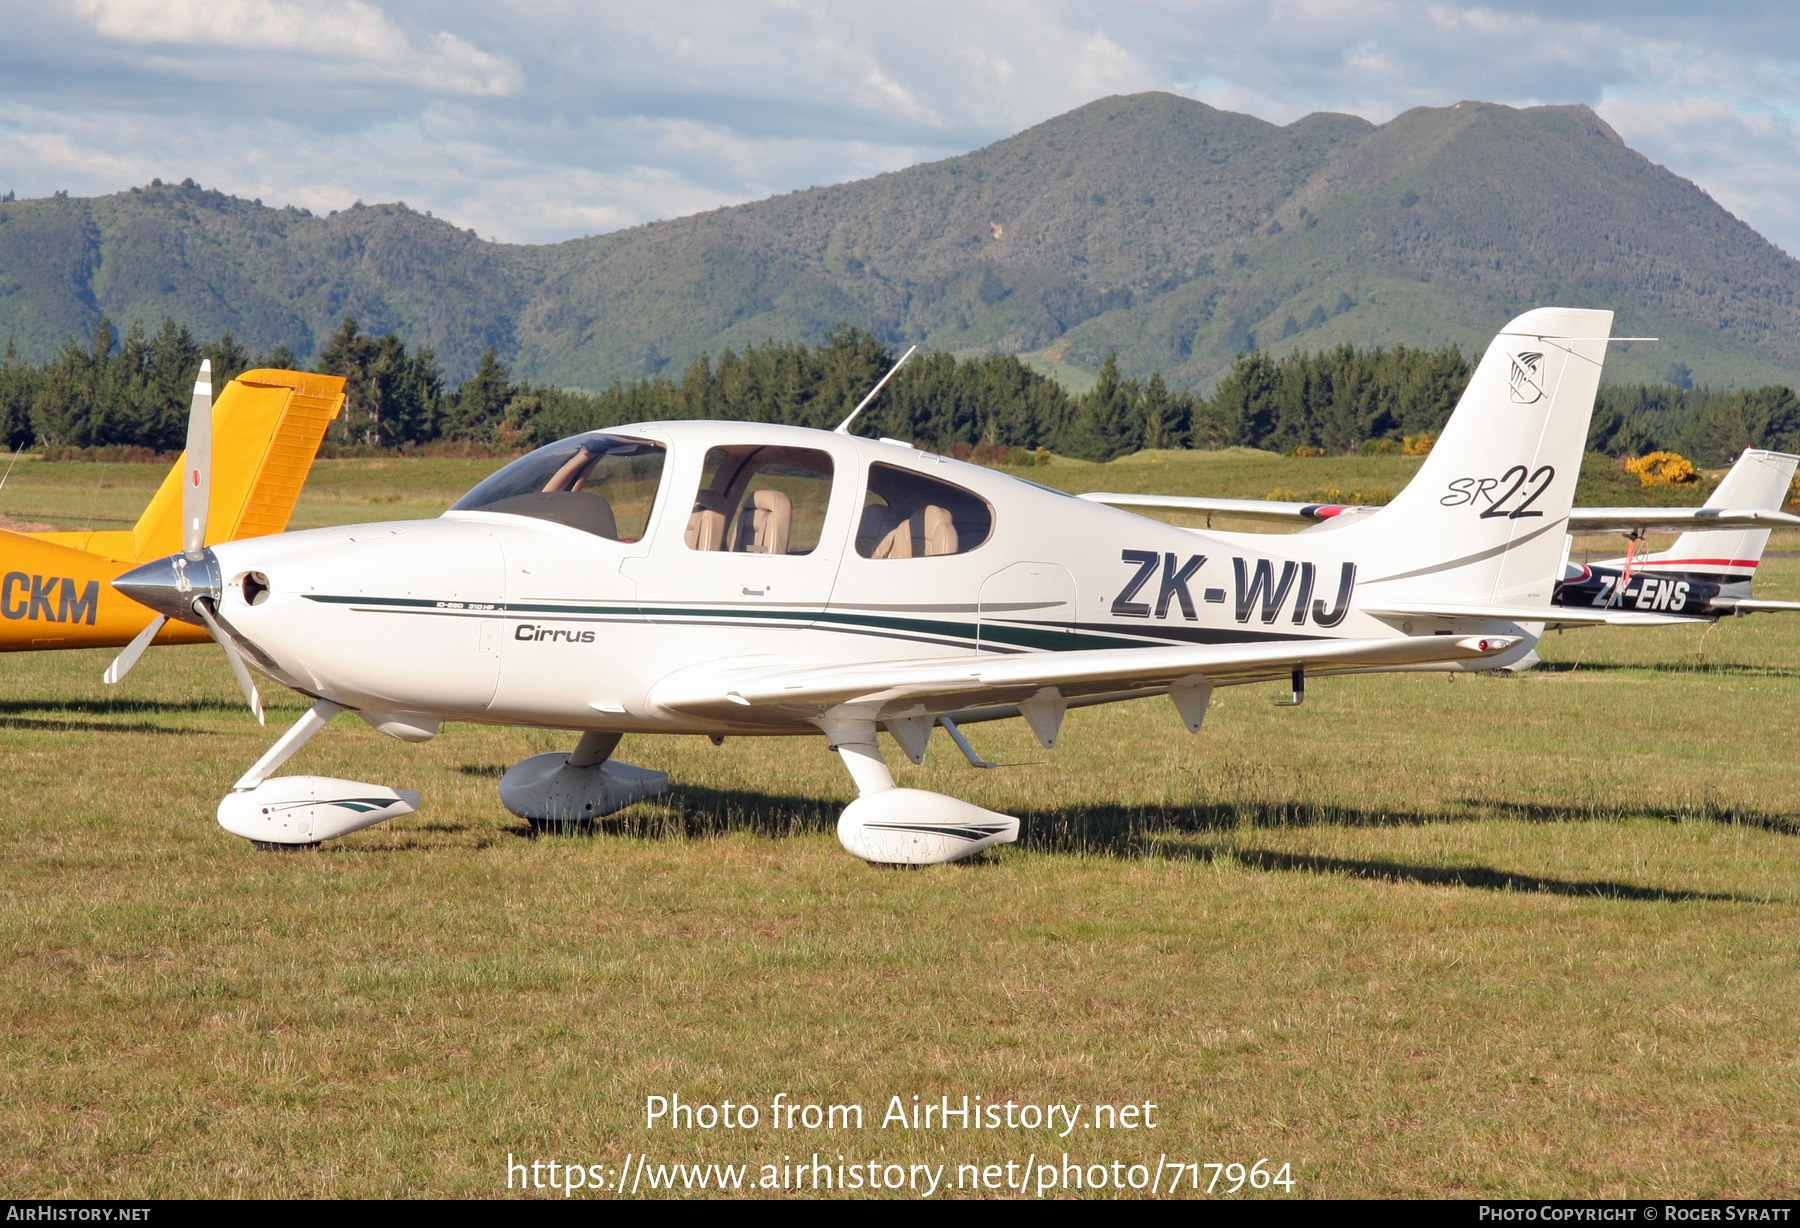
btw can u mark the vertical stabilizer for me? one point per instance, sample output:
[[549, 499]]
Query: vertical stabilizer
[[267, 426], [1484, 519], [1759, 479]]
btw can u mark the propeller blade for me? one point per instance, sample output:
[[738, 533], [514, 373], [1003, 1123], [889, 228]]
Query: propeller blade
[[196, 485], [125, 660], [204, 608]]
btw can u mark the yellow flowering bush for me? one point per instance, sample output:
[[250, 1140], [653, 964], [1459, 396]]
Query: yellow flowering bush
[[1661, 469]]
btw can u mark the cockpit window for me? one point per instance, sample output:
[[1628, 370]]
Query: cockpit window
[[909, 516], [755, 500], [599, 483]]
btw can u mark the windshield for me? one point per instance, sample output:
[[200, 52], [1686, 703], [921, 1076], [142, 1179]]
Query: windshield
[[599, 483]]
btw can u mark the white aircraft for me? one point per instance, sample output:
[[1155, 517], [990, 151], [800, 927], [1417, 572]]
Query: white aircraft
[[1708, 571], [731, 579]]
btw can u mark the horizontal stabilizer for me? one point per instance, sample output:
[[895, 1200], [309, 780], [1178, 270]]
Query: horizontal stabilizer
[[1751, 606], [1550, 616], [1642, 519]]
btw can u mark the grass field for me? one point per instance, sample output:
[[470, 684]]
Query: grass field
[[1526, 936]]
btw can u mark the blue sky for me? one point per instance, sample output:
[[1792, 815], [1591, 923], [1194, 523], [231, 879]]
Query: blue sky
[[538, 121]]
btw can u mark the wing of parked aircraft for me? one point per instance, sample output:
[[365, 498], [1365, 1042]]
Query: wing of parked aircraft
[[1272, 511], [900, 688], [1634, 520], [1626, 520]]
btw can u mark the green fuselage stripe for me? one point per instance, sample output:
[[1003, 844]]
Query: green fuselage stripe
[[1046, 637]]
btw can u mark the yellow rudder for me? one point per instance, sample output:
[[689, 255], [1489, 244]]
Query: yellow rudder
[[267, 426]]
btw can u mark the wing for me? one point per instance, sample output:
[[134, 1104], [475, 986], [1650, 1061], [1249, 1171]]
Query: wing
[[1630, 520], [785, 691], [1625, 520], [1242, 509]]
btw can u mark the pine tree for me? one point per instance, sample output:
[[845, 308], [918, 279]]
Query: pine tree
[[17, 384], [229, 359], [278, 359], [1162, 414], [1108, 420], [350, 354], [481, 401]]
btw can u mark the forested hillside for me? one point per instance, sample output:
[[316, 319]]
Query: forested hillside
[[134, 393], [1160, 229]]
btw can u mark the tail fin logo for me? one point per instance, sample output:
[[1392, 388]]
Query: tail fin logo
[[1525, 377]]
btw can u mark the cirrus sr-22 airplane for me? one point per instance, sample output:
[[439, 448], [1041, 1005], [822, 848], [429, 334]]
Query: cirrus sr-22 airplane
[[734, 579]]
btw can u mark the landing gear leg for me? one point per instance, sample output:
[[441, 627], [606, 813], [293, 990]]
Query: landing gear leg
[[593, 749], [298, 735]]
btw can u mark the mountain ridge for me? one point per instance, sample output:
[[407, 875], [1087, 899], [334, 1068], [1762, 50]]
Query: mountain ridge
[[1170, 232]]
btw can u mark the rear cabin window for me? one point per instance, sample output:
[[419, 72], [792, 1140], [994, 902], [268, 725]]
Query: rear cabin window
[[599, 483], [755, 500], [909, 516]]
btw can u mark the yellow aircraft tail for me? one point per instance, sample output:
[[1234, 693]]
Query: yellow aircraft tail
[[266, 430]]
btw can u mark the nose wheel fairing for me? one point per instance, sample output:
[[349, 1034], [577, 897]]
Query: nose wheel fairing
[[302, 810]]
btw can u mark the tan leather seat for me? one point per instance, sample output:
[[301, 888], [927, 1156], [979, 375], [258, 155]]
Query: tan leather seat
[[764, 526], [928, 532], [706, 527], [934, 528], [874, 536]]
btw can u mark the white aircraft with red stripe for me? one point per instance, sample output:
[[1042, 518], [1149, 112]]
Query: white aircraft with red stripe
[[1707, 572]]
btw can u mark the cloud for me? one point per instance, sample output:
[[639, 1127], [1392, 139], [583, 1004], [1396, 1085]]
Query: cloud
[[536, 120], [1748, 161], [346, 30], [444, 161]]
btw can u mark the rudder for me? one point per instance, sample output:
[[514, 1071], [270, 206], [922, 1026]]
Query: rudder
[[267, 426], [1758, 479]]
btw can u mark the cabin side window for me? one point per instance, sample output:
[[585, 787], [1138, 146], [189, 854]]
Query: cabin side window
[[757, 500], [909, 516]]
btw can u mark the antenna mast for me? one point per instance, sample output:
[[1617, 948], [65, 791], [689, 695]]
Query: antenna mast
[[843, 428]]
